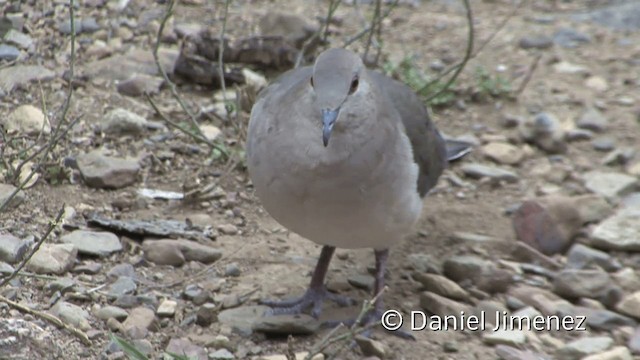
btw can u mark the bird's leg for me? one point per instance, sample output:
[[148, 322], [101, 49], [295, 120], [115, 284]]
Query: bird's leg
[[315, 294]]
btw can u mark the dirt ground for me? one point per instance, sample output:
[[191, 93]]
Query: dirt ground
[[271, 261]]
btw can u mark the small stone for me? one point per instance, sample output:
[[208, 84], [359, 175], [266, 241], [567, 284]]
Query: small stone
[[207, 314], [479, 171], [423, 263], [100, 171], [570, 38], [536, 42], [545, 131], [123, 122], [287, 325], [634, 341], [580, 348], [619, 232], [592, 208], [466, 267], [441, 285], [8, 52], [163, 253], [574, 283], [242, 318], [617, 353], [140, 84], [582, 257], [185, 348], [119, 270], [7, 190], [228, 229], [139, 322], [564, 67], [71, 314], [600, 319], [579, 135], [504, 337], [592, 119], [53, 259], [222, 354], [28, 120], [63, 285], [12, 249], [371, 347], [361, 281], [122, 286], [211, 132], [489, 310], [19, 39], [547, 224], [630, 305], [108, 312], [604, 143], [441, 306], [96, 243], [611, 185], [502, 153], [597, 83], [167, 308], [178, 249], [627, 279]]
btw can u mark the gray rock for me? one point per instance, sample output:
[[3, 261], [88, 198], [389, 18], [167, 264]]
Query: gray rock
[[108, 312], [6, 190], [12, 249], [627, 279], [63, 285], [536, 42], [190, 250], [441, 306], [140, 84], [576, 283], [611, 185], [630, 305], [53, 259], [71, 314], [634, 342], [207, 314], [144, 346], [90, 268], [506, 352], [139, 322], [123, 122], [122, 270], [604, 143], [582, 257], [502, 153], [545, 131], [423, 263], [122, 286], [19, 39], [579, 135], [232, 269], [617, 353], [287, 325], [620, 15], [361, 281], [370, 347], [592, 208], [600, 319], [479, 171], [167, 308], [222, 354], [504, 337], [242, 318], [570, 38], [586, 346], [620, 156], [100, 171], [489, 310], [466, 267], [97, 243], [184, 347], [592, 119], [8, 52], [85, 25], [27, 119], [619, 232], [20, 75], [441, 285]]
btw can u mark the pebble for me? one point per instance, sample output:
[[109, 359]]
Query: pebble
[[619, 232], [564, 67], [53, 259], [570, 38], [582, 257], [221, 354], [140, 84], [370, 347], [603, 143], [232, 269], [122, 270], [96, 243], [19, 39], [617, 353], [466, 267], [592, 119], [592, 208], [287, 325], [601, 319], [441, 285], [124, 285], [167, 308], [597, 83], [630, 305], [228, 229], [442, 306], [611, 185], [242, 318], [502, 153], [579, 135], [504, 337], [63, 285], [12, 249], [176, 252], [139, 322], [423, 263], [361, 281], [585, 346], [105, 172], [536, 42], [186, 348], [577, 283], [545, 131], [71, 314], [8, 52], [27, 120], [5, 191], [123, 122], [627, 278], [212, 132], [207, 314], [479, 171], [110, 311], [634, 341]]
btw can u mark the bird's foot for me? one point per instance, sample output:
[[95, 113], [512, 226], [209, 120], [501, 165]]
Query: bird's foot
[[313, 297], [368, 322]]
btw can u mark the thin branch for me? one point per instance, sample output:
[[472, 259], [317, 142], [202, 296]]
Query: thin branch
[[52, 225], [333, 6], [527, 77], [467, 56], [367, 29], [374, 24], [50, 318], [223, 86]]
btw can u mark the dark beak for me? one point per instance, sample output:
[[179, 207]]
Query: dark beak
[[329, 118]]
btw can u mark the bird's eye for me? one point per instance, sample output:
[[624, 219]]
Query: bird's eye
[[311, 81], [354, 85]]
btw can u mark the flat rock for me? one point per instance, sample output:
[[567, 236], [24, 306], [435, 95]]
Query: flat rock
[[441, 285], [466, 267], [628, 279], [242, 318], [536, 42], [5, 191], [53, 259], [582, 257], [163, 253], [19, 39], [287, 325], [504, 337], [137, 61], [630, 305], [442, 306], [586, 346], [634, 341], [123, 122], [109, 311], [96, 243], [222, 354], [189, 250], [140, 84], [505, 352], [370, 347], [610, 184], [502, 153], [122, 286], [545, 131], [479, 171], [9, 52], [100, 171], [592, 207], [12, 249], [575, 283], [617, 353], [592, 119], [601, 319], [619, 232], [564, 67], [167, 308], [71, 314], [139, 322], [20, 75], [570, 38], [182, 346], [27, 120]]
